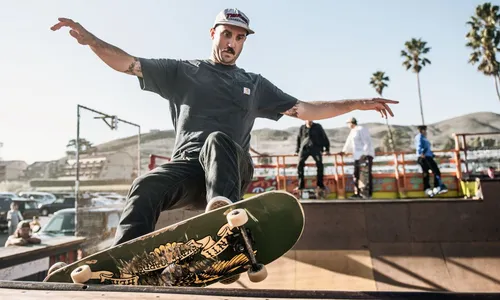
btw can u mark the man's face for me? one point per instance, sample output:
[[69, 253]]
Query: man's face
[[227, 43], [350, 125]]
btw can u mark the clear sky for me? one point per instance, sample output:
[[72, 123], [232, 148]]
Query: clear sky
[[314, 50]]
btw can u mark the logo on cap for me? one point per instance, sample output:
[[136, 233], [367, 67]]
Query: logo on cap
[[237, 17]]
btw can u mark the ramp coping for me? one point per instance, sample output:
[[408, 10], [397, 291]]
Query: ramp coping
[[247, 293]]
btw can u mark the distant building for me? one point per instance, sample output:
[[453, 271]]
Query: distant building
[[44, 169], [12, 169], [117, 165]]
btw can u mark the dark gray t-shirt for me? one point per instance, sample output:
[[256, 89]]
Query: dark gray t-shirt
[[206, 97]]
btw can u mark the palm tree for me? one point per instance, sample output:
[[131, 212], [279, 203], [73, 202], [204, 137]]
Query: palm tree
[[84, 145], [483, 38], [378, 82], [413, 54]]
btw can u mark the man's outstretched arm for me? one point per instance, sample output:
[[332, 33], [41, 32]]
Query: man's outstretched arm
[[113, 56], [318, 110]]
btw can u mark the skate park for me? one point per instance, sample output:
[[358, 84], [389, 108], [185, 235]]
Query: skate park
[[96, 95]]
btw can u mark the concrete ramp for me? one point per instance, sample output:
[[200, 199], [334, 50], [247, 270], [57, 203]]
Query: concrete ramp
[[460, 267]]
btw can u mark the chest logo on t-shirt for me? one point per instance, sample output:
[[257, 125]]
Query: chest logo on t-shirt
[[246, 91]]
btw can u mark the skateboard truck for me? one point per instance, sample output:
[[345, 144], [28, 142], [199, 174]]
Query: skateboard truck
[[237, 218]]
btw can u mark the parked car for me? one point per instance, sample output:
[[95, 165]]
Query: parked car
[[8, 194], [53, 206], [40, 197], [59, 195], [27, 207], [98, 225]]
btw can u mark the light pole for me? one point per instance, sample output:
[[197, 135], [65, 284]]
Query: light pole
[[112, 122]]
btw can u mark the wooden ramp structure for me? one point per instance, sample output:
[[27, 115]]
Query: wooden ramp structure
[[446, 249], [60, 291]]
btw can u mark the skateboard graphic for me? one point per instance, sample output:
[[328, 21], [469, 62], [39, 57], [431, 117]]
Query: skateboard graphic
[[311, 193], [199, 251], [364, 189]]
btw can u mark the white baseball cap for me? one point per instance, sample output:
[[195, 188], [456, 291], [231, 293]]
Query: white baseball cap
[[233, 16]]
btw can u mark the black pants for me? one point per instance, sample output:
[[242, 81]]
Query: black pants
[[368, 159], [427, 164], [303, 156], [222, 168]]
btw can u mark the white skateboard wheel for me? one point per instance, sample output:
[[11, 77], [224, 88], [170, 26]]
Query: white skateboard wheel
[[237, 217], [81, 274], [257, 275], [56, 267]]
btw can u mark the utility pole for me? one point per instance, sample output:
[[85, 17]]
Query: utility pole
[[112, 122]]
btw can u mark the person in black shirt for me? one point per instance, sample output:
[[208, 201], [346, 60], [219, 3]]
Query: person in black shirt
[[311, 141]]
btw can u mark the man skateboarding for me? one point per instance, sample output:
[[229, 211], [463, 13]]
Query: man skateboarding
[[311, 141], [362, 151], [213, 105], [426, 162]]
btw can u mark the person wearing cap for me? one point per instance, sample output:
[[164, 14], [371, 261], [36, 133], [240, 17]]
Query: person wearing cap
[[426, 161], [360, 142], [22, 236], [213, 106], [311, 141]]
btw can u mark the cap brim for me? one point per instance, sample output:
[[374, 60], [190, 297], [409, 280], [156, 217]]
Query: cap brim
[[250, 31]]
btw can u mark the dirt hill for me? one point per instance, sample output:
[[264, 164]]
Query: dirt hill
[[283, 141]]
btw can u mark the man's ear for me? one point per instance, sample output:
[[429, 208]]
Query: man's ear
[[212, 33]]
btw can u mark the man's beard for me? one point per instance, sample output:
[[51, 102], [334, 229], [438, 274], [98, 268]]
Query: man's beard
[[220, 55]]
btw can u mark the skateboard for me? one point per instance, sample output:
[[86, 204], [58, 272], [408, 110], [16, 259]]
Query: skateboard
[[200, 251], [311, 193], [363, 180]]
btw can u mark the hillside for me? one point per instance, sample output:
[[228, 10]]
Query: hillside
[[283, 141]]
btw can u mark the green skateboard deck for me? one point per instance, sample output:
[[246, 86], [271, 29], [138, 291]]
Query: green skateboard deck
[[199, 251]]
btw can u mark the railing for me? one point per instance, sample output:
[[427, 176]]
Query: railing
[[396, 174], [478, 154]]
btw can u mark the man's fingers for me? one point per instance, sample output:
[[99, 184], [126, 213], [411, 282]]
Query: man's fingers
[[388, 109], [61, 24], [74, 34], [65, 22], [383, 113], [382, 100], [56, 26]]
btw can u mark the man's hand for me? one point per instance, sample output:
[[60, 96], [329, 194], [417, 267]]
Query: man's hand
[[380, 105], [113, 56], [77, 31]]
